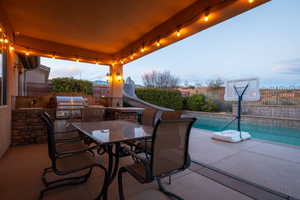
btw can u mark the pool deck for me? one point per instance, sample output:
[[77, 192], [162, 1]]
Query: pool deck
[[269, 164], [272, 165]]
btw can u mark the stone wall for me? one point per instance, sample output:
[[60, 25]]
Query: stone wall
[[27, 127], [250, 119], [282, 111]]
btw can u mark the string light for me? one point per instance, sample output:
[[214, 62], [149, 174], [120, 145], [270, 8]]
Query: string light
[[157, 43], [206, 15], [11, 48], [53, 56], [27, 53], [142, 49], [1, 30], [250, 1], [178, 33], [122, 61], [1, 40], [6, 41]]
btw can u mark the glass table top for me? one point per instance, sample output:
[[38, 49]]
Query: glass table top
[[113, 131]]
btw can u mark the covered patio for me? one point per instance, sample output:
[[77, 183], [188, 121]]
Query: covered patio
[[21, 167], [111, 33]]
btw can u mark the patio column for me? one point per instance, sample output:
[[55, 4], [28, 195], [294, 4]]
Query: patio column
[[116, 85]]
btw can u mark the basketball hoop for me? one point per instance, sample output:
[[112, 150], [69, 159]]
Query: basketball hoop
[[238, 90]]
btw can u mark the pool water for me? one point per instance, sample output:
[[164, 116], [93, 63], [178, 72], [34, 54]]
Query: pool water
[[271, 133]]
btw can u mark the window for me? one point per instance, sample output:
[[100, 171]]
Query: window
[[2, 77]]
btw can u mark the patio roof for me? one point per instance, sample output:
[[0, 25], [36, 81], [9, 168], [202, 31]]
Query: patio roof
[[110, 31]]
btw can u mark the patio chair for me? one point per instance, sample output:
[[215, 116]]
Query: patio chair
[[169, 155], [63, 134], [149, 117], [70, 164], [171, 115], [145, 145], [67, 145], [92, 114]]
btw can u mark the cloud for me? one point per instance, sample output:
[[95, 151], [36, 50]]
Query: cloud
[[289, 67]]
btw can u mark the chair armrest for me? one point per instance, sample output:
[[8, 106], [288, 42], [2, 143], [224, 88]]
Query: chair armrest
[[70, 153]]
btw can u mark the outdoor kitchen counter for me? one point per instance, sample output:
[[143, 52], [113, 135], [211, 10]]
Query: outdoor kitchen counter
[[124, 113]]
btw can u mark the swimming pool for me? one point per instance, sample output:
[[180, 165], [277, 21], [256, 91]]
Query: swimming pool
[[271, 133]]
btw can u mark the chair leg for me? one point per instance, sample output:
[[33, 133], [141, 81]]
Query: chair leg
[[163, 190], [170, 180], [106, 183], [63, 184], [120, 184], [50, 185]]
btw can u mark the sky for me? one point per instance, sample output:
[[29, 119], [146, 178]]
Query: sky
[[263, 42]]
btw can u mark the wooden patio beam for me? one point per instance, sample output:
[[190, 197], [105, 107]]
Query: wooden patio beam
[[38, 47]]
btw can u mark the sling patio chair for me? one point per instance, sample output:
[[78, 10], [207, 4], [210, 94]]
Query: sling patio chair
[[69, 164], [67, 146], [63, 134], [145, 145], [92, 114], [148, 118], [169, 155]]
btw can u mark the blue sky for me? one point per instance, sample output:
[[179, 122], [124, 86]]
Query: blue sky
[[263, 43]]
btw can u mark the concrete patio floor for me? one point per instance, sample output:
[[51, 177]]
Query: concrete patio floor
[[269, 164], [272, 165]]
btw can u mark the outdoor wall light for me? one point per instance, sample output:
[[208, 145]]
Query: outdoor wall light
[[119, 77], [108, 77]]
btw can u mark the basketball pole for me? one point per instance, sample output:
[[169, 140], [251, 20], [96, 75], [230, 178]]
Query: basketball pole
[[238, 117], [239, 111]]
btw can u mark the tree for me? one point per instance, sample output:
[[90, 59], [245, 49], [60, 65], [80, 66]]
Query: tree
[[156, 79], [215, 83]]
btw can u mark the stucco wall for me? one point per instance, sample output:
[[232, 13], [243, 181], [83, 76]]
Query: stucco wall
[[4, 129], [5, 111]]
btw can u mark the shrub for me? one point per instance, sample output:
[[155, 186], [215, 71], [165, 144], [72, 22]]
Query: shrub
[[198, 102], [161, 97], [71, 85]]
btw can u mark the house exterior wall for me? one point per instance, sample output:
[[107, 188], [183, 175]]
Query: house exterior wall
[[5, 111], [36, 76]]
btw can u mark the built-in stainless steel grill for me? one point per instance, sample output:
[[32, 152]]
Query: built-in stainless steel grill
[[68, 107]]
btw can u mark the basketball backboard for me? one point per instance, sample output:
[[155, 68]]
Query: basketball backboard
[[234, 88]]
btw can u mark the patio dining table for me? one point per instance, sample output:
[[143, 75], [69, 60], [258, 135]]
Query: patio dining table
[[110, 135]]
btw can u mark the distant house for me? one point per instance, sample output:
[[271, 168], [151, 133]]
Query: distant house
[[38, 75], [35, 81]]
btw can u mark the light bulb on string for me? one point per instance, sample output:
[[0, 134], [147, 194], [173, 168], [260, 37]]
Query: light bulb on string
[[157, 43]]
